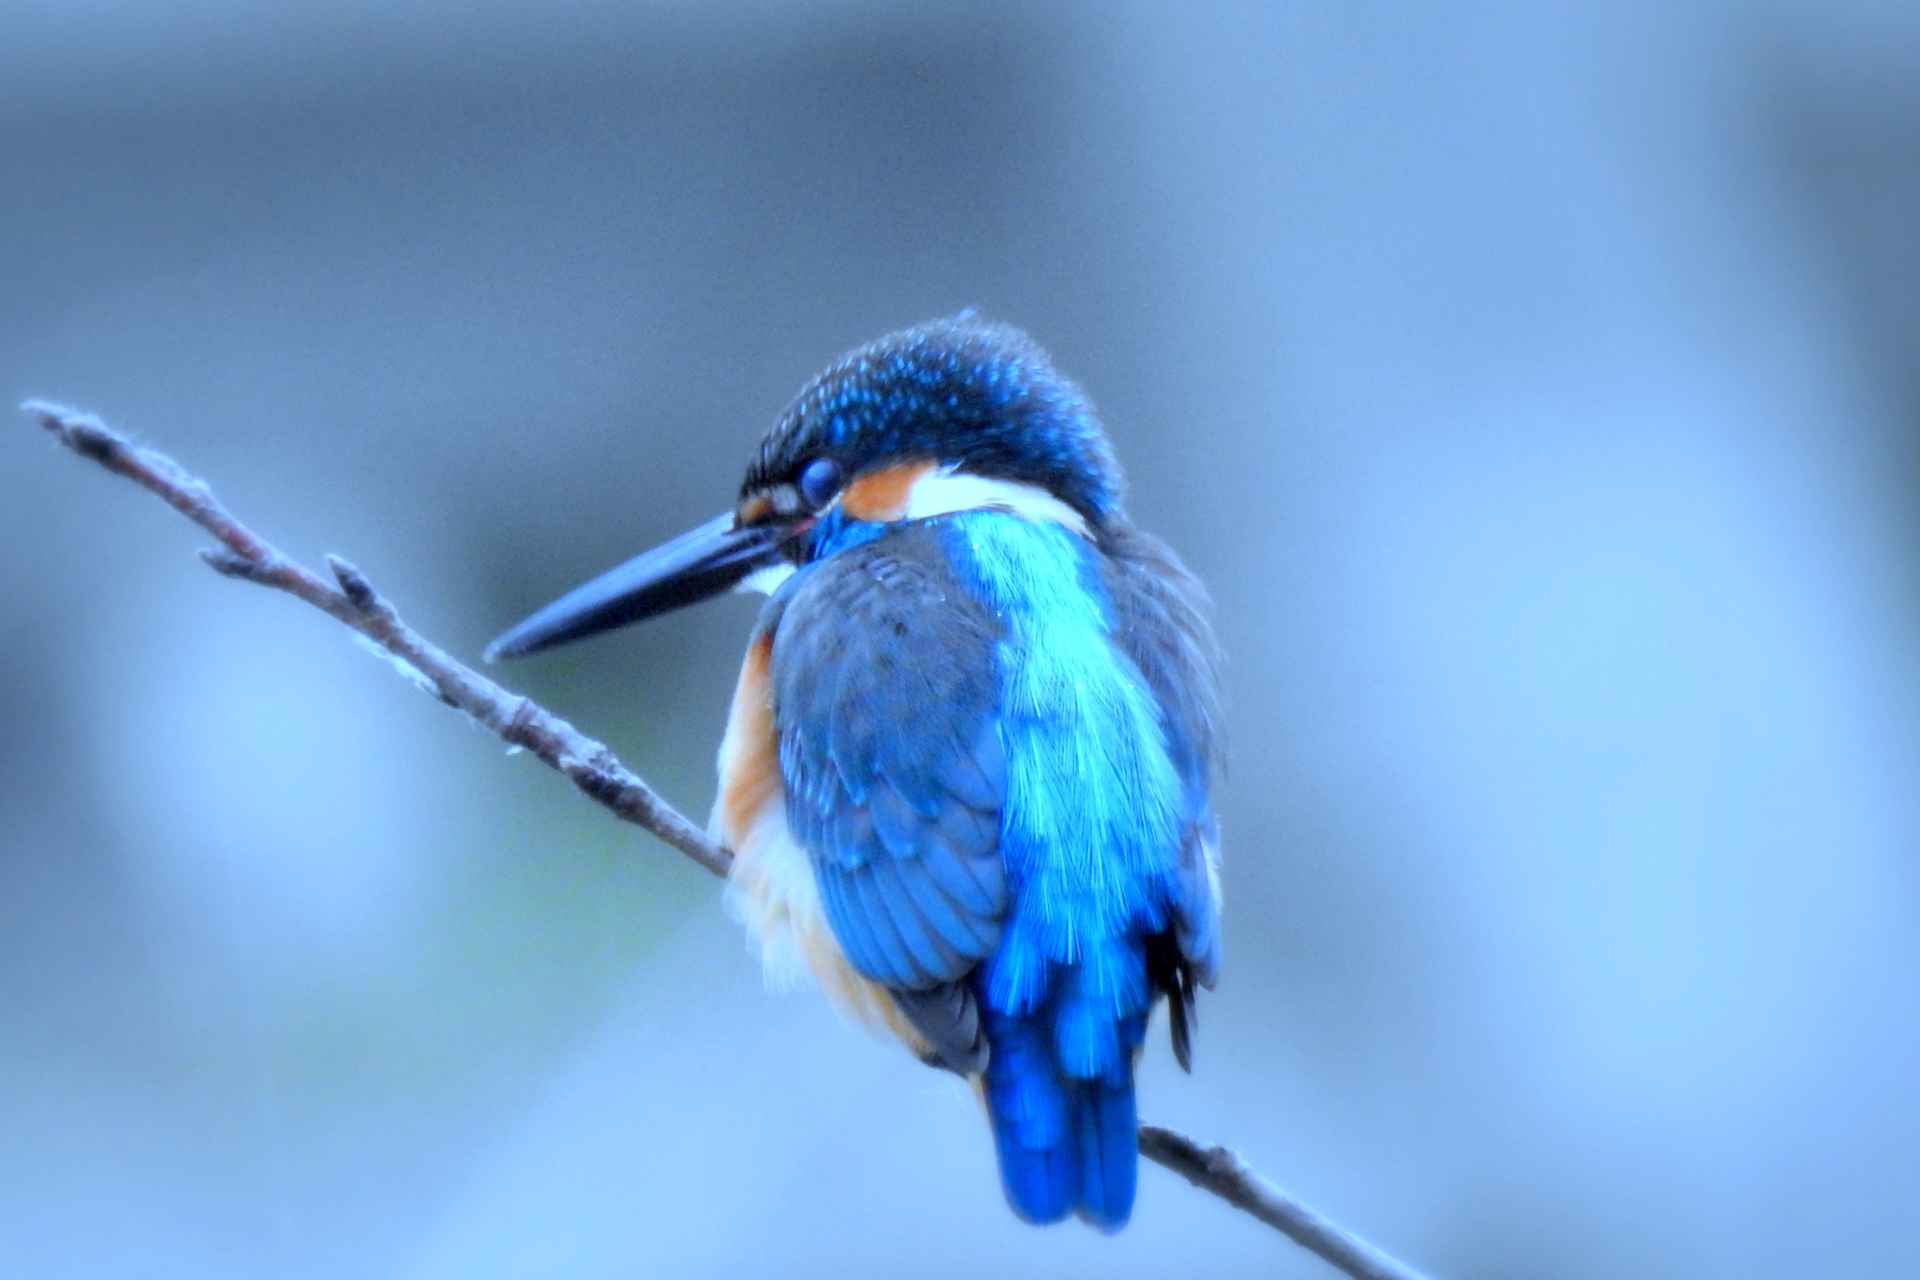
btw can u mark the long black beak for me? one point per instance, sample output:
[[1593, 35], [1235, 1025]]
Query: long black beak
[[700, 563]]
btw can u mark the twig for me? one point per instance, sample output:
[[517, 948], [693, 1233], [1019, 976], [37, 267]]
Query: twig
[[244, 554], [1226, 1175], [591, 767]]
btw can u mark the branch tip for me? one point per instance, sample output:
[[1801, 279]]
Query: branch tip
[[82, 432], [51, 414]]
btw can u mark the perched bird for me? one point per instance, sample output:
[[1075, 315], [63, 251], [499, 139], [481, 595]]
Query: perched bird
[[967, 771]]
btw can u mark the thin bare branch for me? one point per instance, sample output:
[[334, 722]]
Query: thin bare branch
[[1226, 1175], [244, 554], [591, 767]]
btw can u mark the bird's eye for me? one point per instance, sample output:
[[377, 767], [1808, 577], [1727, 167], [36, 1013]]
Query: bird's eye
[[819, 481]]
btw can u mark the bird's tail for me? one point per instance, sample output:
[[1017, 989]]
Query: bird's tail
[[1066, 1143]]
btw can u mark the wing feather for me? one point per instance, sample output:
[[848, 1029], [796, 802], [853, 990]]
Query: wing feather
[[1162, 623], [885, 700]]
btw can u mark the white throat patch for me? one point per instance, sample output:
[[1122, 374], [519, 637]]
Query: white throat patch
[[942, 492], [765, 580], [946, 490]]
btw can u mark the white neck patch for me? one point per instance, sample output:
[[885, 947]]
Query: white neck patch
[[944, 491], [767, 579]]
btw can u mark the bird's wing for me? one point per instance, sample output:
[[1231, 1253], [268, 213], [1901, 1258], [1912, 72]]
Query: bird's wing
[[884, 695], [1161, 623]]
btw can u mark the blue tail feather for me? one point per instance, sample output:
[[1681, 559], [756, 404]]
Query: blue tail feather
[[1109, 1156], [1032, 1121], [1041, 1183], [1066, 1144]]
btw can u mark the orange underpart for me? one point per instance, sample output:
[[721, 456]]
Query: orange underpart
[[750, 757], [880, 496], [782, 911]]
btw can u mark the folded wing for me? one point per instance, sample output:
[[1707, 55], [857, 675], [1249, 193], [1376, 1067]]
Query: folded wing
[[885, 699]]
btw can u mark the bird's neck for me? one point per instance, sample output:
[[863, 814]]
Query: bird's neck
[[923, 488], [946, 490], [920, 489]]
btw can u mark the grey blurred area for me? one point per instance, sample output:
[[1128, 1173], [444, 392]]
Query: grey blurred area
[[1535, 387]]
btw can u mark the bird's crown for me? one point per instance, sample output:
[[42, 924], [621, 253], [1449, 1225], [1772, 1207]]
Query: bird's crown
[[962, 392]]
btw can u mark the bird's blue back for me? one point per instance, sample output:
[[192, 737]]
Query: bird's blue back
[[996, 739]]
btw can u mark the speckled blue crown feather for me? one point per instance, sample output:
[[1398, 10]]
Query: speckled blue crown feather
[[963, 390]]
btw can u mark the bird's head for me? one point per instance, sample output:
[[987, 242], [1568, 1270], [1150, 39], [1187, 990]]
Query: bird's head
[[951, 415]]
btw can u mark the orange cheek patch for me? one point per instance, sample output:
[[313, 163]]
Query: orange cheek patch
[[881, 496]]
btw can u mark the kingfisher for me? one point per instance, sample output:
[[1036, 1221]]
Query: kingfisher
[[968, 768]]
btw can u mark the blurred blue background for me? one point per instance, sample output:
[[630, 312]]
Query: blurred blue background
[[1537, 387]]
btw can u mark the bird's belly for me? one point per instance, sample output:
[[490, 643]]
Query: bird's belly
[[771, 887]]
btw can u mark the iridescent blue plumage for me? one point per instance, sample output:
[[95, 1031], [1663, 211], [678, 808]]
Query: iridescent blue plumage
[[997, 736], [967, 772], [1090, 838], [979, 395]]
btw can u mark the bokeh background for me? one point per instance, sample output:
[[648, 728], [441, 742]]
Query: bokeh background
[[1537, 387]]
